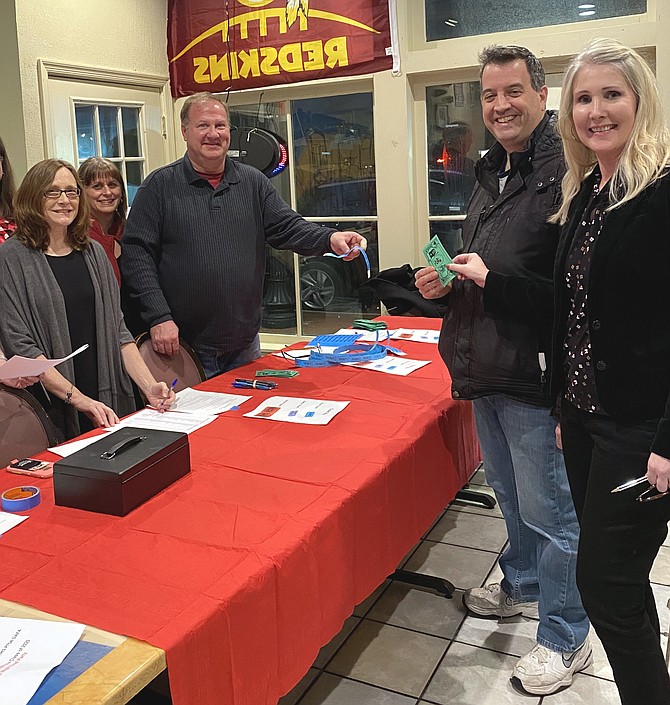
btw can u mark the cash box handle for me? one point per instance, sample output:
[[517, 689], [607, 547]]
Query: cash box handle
[[121, 447]]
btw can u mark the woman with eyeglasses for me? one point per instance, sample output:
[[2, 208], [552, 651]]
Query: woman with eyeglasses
[[612, 335], [57, 293], [105, 193]]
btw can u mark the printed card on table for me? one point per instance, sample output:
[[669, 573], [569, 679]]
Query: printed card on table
[[314, 412]]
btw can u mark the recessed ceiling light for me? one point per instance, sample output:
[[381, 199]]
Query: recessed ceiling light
[[587, 13], [586, 6], [451, 22]]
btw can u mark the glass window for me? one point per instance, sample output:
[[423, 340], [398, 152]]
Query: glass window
[[130, 118], [278, 314], [333, 156], [446, 19], [84, 117], [134, 177], [109, 131], [456, 138], [113, 132], [333, 292], [279, 311]]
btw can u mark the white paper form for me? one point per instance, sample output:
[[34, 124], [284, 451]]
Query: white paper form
[[9, 521], [166, 421], [314, 412], [391, 365], [29, 649], [186, 422], [18, 366], [416, 335], [192, 401], [66, 449]]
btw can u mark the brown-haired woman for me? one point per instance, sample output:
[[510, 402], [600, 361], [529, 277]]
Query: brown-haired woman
[[105, 193], [7, 189], [57, 293]]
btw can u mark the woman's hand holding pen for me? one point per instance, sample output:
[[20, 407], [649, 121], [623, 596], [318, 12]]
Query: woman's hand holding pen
[[160, 396]]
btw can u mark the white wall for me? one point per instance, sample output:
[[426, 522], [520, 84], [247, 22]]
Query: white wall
[[11, 112], [124, 35]]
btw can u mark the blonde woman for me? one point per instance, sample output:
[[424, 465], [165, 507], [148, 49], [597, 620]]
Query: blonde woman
[[612, 349]]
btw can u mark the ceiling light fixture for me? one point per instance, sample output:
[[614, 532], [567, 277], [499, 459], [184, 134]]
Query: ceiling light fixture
[[587, 13], [451, 22], [586, 6]]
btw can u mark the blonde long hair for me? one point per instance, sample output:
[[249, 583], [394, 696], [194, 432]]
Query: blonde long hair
[[647, 152]]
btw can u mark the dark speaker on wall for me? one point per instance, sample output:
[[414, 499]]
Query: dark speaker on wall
[[259, 148]]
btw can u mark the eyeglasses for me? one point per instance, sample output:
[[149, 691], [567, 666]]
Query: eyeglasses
[[649, 495], [54, 193]]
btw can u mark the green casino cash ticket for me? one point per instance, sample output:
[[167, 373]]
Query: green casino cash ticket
[[439, 258]]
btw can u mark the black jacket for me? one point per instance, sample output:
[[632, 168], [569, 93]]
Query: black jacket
[[492, 337], [628, 308]]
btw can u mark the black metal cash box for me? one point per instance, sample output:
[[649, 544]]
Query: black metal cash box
[[122, 470]]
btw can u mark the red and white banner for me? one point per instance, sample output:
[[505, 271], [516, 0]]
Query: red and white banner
[[220, 45]]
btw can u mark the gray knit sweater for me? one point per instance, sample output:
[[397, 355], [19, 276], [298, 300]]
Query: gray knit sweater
[[196, 255], [34, 322]]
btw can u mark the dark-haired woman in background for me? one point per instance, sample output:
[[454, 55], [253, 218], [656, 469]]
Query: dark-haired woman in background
[[7, 224], [612, 289], [58, 292], [105, 193]]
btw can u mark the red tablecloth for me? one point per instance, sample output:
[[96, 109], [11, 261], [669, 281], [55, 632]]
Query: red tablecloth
[[242, 570]]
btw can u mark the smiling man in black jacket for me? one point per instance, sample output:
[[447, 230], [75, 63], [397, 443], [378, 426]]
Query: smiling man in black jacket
[[495, 341]]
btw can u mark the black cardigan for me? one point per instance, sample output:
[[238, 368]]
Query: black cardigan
[[628, 308]]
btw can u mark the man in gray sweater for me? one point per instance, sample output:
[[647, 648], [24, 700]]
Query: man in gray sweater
[[194, 245]]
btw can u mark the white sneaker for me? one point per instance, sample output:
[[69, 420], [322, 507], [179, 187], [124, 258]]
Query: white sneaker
[[543, 671], [491, 600]]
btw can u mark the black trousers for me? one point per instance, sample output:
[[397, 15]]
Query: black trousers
[[619, 541]]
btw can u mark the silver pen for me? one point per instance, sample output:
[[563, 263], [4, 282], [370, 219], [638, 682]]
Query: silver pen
[[629, 484]]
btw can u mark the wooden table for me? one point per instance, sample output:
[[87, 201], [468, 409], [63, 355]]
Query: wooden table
[[116, 677]]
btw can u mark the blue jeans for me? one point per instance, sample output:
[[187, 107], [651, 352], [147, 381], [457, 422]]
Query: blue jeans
[[215, 362], [527, 473]]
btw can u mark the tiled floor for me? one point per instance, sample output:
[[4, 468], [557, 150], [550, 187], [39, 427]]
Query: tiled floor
[[409, 646]]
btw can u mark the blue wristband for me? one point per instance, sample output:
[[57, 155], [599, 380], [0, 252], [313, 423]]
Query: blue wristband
[[364, 254]]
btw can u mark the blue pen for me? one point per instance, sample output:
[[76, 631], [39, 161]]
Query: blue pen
[[257, 383], [172, 386], [252, 384]]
